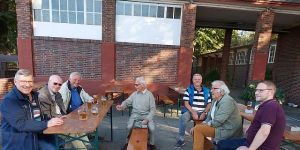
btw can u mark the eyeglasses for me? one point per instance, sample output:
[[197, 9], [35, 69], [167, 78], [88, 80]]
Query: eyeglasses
[[215, 88], [136, 84], [25, 82], [261, 90], [59, 84]]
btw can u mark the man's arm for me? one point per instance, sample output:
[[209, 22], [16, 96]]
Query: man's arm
[[205, 112], [86, 96], [189, 107], [224, 112], [260, 136], [152, 108]]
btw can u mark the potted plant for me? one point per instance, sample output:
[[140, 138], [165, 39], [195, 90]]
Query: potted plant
[[280, 96], [248, 93]]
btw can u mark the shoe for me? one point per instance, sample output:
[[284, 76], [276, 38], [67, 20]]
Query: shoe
[[153, 147], [179, 143]]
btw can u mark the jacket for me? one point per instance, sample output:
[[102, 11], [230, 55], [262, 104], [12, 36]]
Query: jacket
[[48, 106], [65, 92], [227, 119], [19, 129]]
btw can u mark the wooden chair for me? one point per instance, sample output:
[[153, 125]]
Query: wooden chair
[[166, 101], [138, 139]]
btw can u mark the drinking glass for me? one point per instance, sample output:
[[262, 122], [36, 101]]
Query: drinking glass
[[249, 105], [94, 110], [96, 97], [82, 114], [103, 101]]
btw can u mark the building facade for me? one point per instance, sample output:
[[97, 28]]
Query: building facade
[[116, 41]]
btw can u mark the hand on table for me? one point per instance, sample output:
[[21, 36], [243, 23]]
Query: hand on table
[[55, 122]]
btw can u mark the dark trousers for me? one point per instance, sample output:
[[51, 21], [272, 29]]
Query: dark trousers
[[231, 144]]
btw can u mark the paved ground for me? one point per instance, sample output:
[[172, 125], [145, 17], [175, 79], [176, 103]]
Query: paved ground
[[166, 129]]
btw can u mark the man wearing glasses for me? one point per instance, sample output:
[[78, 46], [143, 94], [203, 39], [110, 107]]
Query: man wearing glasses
[[143, 108], [267, 128], [22, 118]]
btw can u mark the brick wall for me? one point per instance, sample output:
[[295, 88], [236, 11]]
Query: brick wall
[[63, 56], [287, 64], [157, 63], [5, 85]]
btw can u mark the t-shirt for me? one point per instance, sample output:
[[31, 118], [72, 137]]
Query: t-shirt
[[199, 101], [269, 112]]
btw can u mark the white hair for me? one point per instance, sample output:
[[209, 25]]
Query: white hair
[[142, 81], [73, 74], [222, 87]]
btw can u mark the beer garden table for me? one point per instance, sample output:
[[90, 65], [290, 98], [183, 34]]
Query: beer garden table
[[72, 125]]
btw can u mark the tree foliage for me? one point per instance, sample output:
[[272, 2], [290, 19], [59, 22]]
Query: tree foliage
[[8, 27]]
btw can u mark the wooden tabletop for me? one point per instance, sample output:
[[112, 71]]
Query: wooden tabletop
[[72, 124], [138, 139], [179, 90]]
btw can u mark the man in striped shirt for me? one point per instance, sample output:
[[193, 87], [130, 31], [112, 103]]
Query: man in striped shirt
[[197, 103]]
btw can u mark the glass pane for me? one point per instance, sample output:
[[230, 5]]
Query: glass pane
[[89, 6], [145, 10], [72, 5], [98, 19], [160, 11], [63, 17], [72, 17], [63, 4], [45, 4], [177, 13], [46, 16], [80, 18], [55, 5], [128, 9], [55, 16], [137, 9], [120, 8], [153, 10], [89, 18], [170, 12], [79, 5], [37, 15], [98, 6]]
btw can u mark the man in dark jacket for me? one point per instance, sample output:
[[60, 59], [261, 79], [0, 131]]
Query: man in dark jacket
[[21, 115]]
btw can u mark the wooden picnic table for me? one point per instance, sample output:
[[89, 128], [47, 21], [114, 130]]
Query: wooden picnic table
[[138, 139], [180, 93], [72, 124]]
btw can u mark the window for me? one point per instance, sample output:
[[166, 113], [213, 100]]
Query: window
[[231, 58], [241, 57], [70, 11], [147, 10], [272, 51]]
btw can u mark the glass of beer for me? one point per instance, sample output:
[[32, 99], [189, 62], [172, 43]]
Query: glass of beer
[[89, 105], [96, 97], [249, 105], [82, 114], [94, 110], [103, 101]]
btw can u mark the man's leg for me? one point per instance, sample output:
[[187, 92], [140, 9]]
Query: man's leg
[[201, 131], [184, 118], [151, 127], [231, 144]]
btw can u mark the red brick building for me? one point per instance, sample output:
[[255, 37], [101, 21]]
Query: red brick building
[[112, 40]]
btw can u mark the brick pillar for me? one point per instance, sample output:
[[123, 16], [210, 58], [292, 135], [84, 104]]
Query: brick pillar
[[24, 40], [186, 44], [261, 44], [108, 48], [225, 54]]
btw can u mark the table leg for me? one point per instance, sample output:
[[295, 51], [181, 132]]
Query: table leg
[[111, 125]]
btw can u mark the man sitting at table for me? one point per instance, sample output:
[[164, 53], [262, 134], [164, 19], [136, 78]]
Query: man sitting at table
[[74, 96], [197, 103], [22, 118], [143, 108], [223, 119], [51, 103], [267, 128]]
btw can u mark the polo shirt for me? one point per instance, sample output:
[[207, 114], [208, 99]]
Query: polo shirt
[[199, 101], [269, 112]]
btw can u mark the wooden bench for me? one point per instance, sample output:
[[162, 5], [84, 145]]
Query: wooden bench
[[166, 102], [138, 139]]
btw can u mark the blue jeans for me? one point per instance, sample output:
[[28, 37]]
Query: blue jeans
[[231, 144], [183, 120]]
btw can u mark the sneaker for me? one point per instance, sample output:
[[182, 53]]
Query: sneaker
[[179, 143]]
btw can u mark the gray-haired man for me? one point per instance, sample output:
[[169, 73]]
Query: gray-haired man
[[143, 108]]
